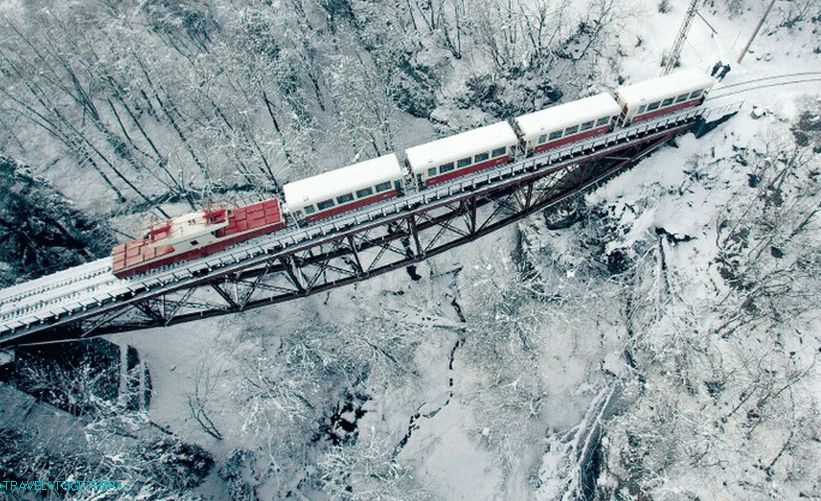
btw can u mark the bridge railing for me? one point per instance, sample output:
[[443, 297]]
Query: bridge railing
[[101, 287]]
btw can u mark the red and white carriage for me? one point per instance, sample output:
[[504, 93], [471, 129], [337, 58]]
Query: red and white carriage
[[453, 156], [344, 189], [674, 92], [566, 123]]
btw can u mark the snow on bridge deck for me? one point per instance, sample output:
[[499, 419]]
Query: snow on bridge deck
[[42, 289]]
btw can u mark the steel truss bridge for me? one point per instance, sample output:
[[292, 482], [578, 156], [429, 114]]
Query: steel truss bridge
[[88, 300]]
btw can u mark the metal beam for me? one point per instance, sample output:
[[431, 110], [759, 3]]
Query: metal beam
[[224, 295]]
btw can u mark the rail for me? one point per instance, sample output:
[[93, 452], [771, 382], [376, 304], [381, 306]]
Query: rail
[[64, 294]]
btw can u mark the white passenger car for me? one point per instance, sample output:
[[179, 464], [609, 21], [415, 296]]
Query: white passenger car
[[462, 154], [344, 189], [565, 123], [673, 92]]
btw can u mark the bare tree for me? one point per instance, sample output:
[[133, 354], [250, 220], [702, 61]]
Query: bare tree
[[205, 379]]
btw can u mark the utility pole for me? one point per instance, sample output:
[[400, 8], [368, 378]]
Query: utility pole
[[681, 37], [755, 33]]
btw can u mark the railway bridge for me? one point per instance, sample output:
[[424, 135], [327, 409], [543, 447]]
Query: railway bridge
[[88, 300]]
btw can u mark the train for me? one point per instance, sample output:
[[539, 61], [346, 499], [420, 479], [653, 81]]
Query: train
[[349, 188]]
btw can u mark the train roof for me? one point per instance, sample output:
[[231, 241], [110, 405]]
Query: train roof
[[563, 115], [308, 191], [452, 148], [670, 85]]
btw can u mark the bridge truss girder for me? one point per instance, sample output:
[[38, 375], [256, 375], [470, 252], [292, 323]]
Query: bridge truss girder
[[359, 253]]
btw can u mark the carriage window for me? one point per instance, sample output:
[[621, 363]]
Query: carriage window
[[481, 157], [682, 98], [344, 198], [463, 162], [571, 130], [653, 106], [602, 121], [194, 242], [383, 186], [364, 192], [667, 102], [555, 135], [695, 94], [325, 204], [310, 209], [642, 108], [446, 167], [541, 139], [586, 126], [499, 152], [432, 171]]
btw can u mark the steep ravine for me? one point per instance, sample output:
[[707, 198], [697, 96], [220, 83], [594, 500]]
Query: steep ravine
[[413, 423], [40, 230]]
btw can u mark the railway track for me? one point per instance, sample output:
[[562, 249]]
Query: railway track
[[16, 295], [737, 88]]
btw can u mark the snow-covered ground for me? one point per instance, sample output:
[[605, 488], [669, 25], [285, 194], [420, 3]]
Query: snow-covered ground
[[482, 381]]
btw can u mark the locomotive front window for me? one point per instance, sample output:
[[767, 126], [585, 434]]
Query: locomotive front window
[[383, 186], [499, 152], [602, 121], [586, 126], [555, 135], [310, 209], [463, 162], [445, 167], [344, 198], [481, 157], [695, 94], [653, 106], [432, 171], [571, 130], [364, 192], [682, 98], [325, 204], [667, 102]]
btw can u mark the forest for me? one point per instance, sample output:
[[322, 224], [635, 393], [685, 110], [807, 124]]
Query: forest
[[655, 338]]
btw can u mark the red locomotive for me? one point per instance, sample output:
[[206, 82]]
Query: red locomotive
[[194, 235]]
